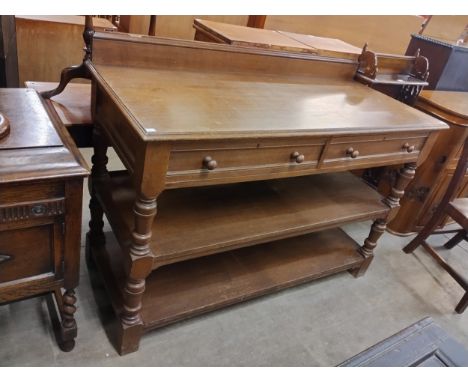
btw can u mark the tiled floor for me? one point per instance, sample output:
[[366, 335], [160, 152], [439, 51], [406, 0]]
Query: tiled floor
[[318, 324]]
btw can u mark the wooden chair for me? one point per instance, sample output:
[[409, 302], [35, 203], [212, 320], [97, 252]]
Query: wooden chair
[[457, 209]]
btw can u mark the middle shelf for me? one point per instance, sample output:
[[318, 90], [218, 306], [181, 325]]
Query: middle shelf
[[195, 222]]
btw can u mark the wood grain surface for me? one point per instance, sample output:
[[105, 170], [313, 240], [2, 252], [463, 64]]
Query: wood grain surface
[[452, 102], [202, 221], [179, 104]]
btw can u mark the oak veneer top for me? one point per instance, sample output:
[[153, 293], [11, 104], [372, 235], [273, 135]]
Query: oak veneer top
[[264, 38], [452, 102], [245, 36], [33, 149], [331, 47], [98, 22], [30, 125], [171, 105]]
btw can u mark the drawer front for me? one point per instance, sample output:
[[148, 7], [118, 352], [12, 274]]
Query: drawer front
[[375, 149], [27, 252], [250, 158], [30, 210], [27, 192]]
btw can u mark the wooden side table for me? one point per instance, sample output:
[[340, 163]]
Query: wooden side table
[[41, 178]]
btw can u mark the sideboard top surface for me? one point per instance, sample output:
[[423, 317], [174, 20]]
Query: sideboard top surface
[[180, 104], [455, 103], [30, 126], [35, 148]]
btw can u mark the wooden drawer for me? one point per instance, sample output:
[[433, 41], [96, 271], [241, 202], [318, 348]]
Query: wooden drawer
[[28, 252], [29, 210], [219, 159], [29, 192], [379, 149]]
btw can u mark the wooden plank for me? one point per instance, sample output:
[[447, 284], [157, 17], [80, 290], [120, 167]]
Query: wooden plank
[[355, 30], [206, 220], [99, 23], [182, 26], [329, 47], [245, 36], [185, 289]]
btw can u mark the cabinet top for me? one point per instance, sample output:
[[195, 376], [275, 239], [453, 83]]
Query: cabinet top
[[176, 104], [30, 125], [453, 103], [34, 148]]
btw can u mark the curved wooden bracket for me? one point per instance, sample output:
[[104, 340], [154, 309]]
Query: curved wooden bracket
[[78, 71], [68, 74]]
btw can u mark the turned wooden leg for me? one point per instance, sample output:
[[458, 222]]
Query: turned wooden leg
[[95, 236], [141, 261], [462, 304], [461, 235], [68, 329], [367, 250], [397, 191]]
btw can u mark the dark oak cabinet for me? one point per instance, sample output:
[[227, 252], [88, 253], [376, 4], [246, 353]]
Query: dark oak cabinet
[[41, 179]]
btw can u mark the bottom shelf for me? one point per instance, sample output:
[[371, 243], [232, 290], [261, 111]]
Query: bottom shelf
[[185, 289]]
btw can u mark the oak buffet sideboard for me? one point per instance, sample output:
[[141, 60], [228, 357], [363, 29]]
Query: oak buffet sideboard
[[236, 180]]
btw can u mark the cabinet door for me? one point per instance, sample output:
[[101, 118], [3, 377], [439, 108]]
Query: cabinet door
[[30, 253]]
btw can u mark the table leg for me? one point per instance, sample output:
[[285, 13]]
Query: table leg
[[367, 250], [131, 323], [64, 323], [95, 236], [397, 191]]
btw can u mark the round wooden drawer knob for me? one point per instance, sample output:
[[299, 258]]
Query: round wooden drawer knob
[[408, 148], [209, 163], [298, 158], [352, 153]]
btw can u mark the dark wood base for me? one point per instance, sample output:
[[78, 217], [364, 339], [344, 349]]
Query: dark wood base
[[178, 291]]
